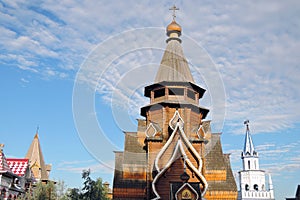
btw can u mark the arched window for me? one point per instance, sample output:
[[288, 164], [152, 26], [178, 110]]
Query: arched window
[[254, 164], [246, 187], [255, 187], [248, 164]]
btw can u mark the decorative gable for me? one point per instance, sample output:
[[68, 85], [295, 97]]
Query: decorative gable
[[186, 192]]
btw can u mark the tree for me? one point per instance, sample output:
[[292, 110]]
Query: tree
[[92, 190], [74, 194], [61, 190], [45, 191]]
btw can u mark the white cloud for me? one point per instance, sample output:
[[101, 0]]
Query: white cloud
[[254, 45], [274, 158], [78, 166], [24, 80]]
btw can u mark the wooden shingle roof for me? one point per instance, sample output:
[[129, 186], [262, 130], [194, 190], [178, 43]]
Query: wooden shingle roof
[[216, 160], [35, 156], [174, 66]]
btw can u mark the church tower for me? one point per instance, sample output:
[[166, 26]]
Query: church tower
[[173, 154], [252, 179], [37, 164]]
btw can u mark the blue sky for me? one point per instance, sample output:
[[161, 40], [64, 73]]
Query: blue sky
[[246, 54]]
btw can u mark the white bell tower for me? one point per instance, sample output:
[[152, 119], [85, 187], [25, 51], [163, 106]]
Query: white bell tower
[[252, 179]]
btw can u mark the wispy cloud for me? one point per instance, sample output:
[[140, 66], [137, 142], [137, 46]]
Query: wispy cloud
[[254, 45], [274, 158], [77, 166]]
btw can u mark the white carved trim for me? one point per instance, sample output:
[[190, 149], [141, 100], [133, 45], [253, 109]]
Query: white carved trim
[[173, 158], [199, 129], [179, 146], [173, 118], [190, 146], [160, 153], [190, 164], [149, 126]]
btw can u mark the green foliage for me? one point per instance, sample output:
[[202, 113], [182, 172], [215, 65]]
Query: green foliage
[[74, 194], [61, 190], [42, 191], [45, 191], [92, 190]]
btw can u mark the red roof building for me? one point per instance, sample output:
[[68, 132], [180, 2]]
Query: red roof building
[[9, 181], [18, 166]]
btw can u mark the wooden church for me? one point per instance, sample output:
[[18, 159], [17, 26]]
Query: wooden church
[[173, 154]]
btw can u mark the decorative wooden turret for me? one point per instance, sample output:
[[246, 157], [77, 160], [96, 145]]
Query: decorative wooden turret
[[36, 160]]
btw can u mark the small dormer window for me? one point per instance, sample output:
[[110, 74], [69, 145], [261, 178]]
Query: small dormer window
[[176, 91]]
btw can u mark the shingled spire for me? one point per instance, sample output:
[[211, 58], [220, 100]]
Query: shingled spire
[[36, 160]]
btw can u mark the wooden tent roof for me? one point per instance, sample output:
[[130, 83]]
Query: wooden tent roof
[[174, 66]]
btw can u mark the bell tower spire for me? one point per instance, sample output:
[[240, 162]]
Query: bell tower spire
[[252, 178], [249, 155], [248, 145]]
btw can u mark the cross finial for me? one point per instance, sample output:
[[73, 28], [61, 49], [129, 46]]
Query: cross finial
[[246, 122], [174, 8]]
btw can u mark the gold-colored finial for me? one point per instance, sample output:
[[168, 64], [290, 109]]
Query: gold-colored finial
[[174, 8], [1, 147], [37, 132], [173, 27]]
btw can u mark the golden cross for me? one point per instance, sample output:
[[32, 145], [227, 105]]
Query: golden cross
[[174, 8]]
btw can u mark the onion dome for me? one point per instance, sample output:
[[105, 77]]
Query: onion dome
[[174, 27]]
